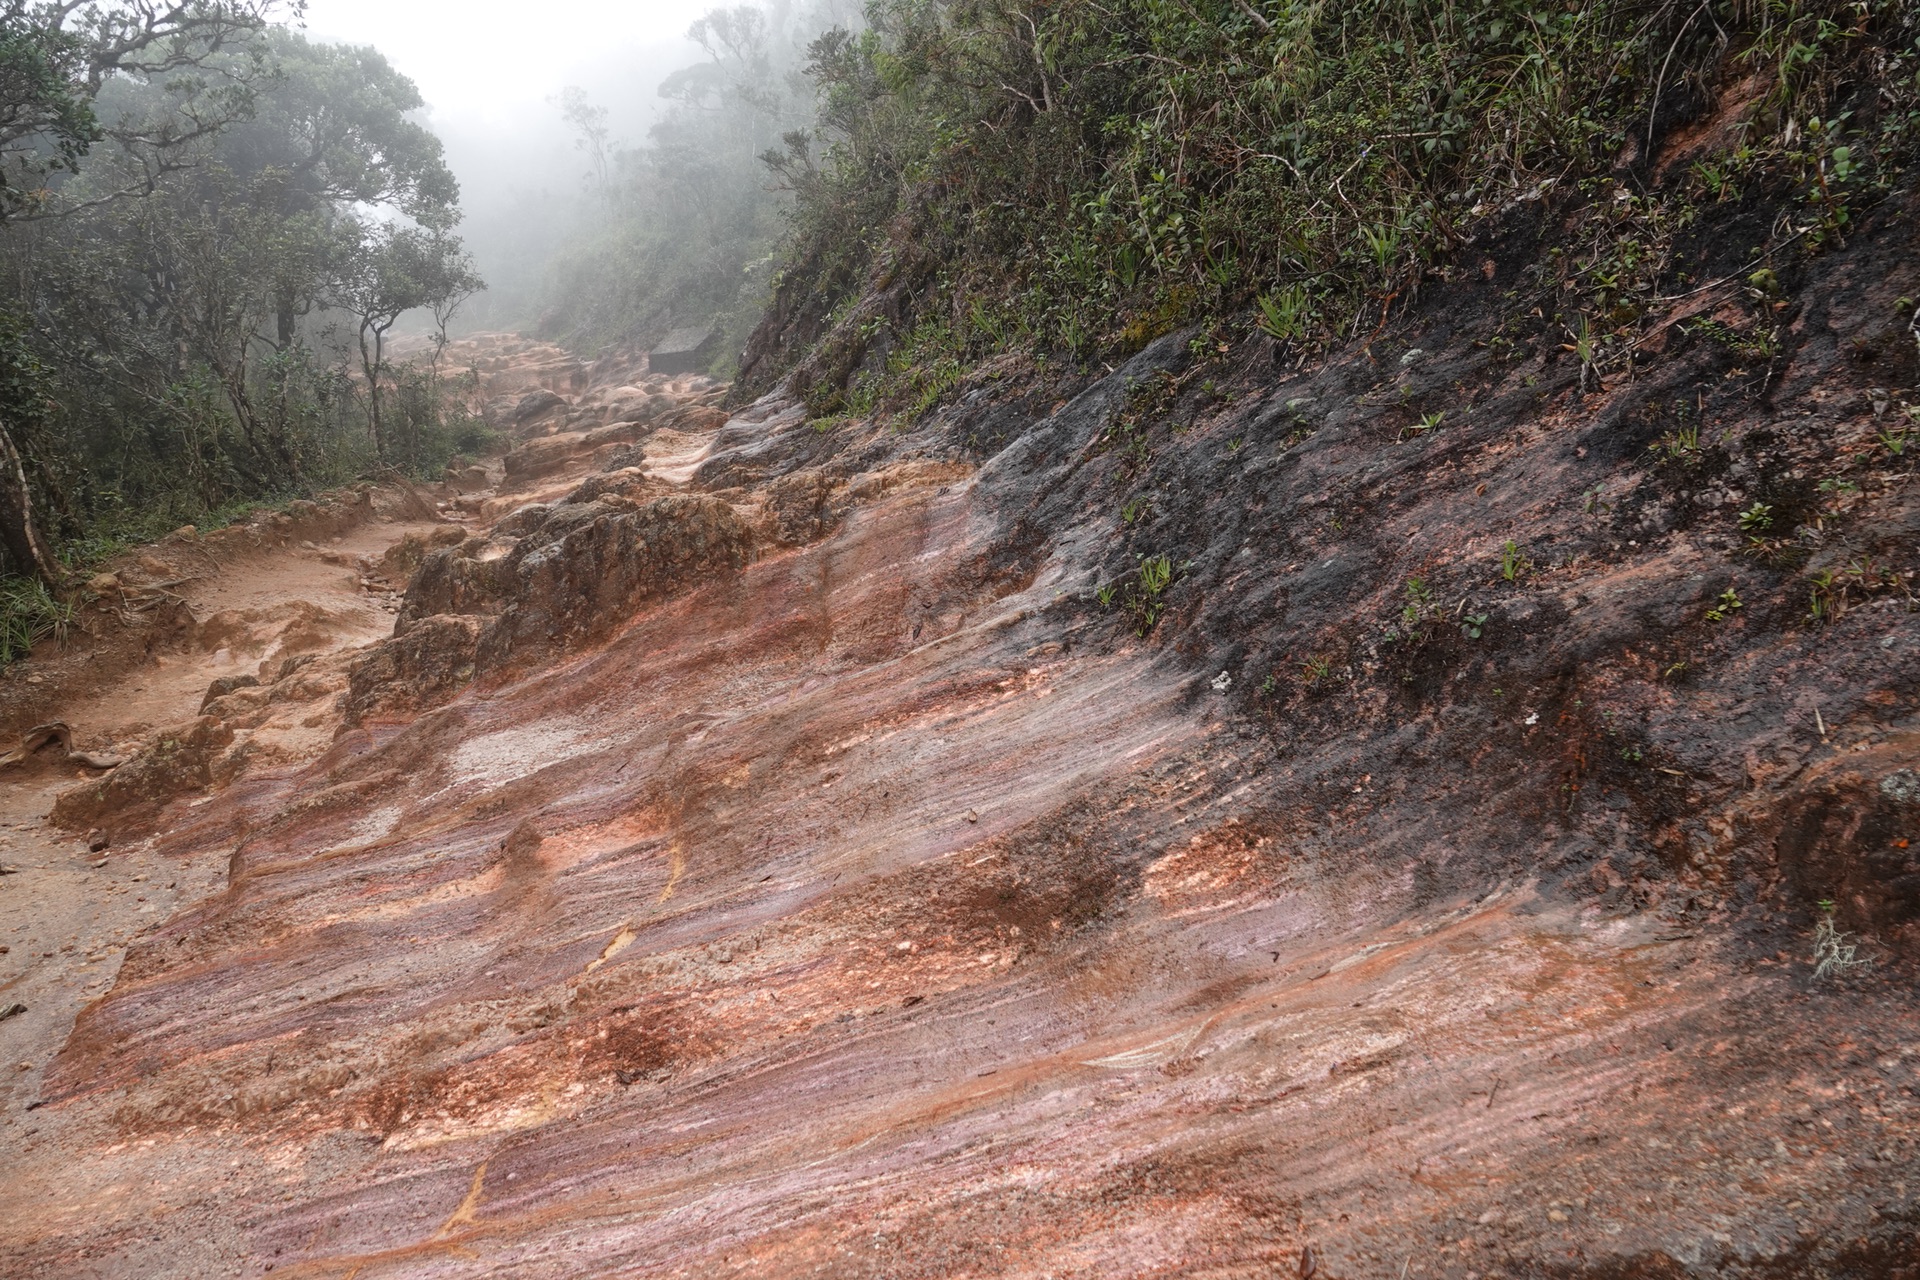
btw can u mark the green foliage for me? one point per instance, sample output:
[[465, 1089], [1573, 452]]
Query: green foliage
[[1727, 604], [1513, 561], [29, 613], [1142, 595], [57, 57], [1428, 423], [1682, 444], [219, 338], [1832, 590], [1103, 171], [682, 230]]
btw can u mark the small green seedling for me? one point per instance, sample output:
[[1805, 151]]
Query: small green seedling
[[1757, 518], [1473, 624], [1419, 600], [1729, 602], [1513, 562]]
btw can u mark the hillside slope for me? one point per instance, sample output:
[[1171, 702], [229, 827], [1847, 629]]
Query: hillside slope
[[888, 906], [1436, 801]]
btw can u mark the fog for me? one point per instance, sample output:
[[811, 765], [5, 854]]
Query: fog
[[491, 72], [199, 298]]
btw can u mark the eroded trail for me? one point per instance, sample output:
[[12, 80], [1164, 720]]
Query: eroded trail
[[852, 907]]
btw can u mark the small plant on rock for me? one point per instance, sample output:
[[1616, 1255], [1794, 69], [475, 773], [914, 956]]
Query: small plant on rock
[[1428, 423], [1143, 594], [1729, 602], [1285, 315], [1682, 444], [1513, 561]]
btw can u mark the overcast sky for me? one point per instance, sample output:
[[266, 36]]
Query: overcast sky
[[490, 71], [487, 61]]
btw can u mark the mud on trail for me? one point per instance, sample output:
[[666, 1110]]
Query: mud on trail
[[702, 844]]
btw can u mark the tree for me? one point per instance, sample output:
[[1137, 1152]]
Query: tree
[[595, 140], [191, 354], [56, 56], [23, 404], [384, 272], [334, 127]]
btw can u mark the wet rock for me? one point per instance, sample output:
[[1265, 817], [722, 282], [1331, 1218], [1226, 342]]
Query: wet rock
[[1847, 834], [180, 761], [467, 479], [625, 456], [692, 419], [429, 663], [540, 458], [801, 507], [405, 556], [552, 577], [535, 405], [225, 685]]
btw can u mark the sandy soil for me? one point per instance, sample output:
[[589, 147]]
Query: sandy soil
[[68, 914]]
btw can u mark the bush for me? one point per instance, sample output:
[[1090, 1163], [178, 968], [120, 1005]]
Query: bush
[[29, 613], [1091, 175]]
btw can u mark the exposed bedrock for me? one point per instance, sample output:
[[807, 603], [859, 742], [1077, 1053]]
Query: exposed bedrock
[[548, 578], [1206, 818]]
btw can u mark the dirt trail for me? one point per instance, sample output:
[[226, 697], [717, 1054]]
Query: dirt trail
[[862, 908], [68, 913]]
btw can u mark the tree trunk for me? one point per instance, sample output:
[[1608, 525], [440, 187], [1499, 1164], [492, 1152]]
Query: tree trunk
[[266, 443], [20, 535], [370, 362]]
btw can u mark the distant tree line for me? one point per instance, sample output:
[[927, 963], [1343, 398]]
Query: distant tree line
[[209, 227], [683, 229]]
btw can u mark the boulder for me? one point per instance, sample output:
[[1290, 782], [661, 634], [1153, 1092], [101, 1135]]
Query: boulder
[[225, 685], [180, 761], [550, 578], [539, 458], [429, 663], [801, 507], [534, 406]]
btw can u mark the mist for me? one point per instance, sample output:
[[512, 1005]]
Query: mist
[[208, 276], [492, 80]]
